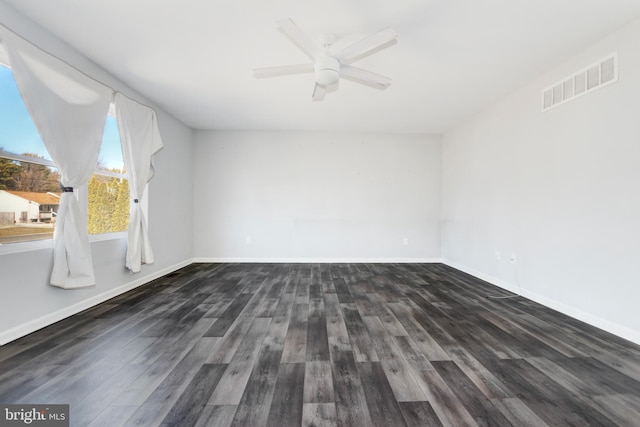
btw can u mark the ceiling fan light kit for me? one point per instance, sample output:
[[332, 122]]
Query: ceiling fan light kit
[[328, 67], [327, 70]]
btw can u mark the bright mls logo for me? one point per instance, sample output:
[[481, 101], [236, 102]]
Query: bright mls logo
[[34, 415]]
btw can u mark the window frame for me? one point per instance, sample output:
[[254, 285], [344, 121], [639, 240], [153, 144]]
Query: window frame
[[80, 194]]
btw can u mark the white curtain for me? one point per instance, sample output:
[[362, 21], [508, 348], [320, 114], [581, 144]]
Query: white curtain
[[69, 110], [138, 127]]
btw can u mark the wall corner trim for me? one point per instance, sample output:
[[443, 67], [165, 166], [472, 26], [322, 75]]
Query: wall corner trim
[[44, 321], [600, 323]]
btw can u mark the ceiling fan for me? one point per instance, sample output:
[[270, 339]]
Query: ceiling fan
[[327, 66]]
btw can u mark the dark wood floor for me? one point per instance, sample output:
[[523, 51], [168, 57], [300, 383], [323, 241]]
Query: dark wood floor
[[321, 345]]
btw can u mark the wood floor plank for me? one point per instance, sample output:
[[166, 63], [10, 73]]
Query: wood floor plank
[[319, 415], [351, 404], [358, 287], [342, 291], [113, 416], [328, 287], [339, 344], [188, 409], [226, 319], [396, 369], [482, 378], [254, 406], [564, 378], [317, 338], [335, 320], [295, 345], [218, 416], [419, 414], [268, 307], [228, 345], [230, 387], [286, 406], [605, 378], [104, 394], [154, 409], [281, 316], [383, 407], [318, 382], [547, 398], [447, 406], [171, 355], [219, 305], [518, 413], [512, 327], [76, 382], [623, 409], [412, 353], [363, 349], [386, 316], [479, 407], [428, 345], [20, 383], [302, 292], [315, 290]]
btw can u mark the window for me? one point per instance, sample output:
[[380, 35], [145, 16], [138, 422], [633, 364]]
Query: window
[[29, 181], [108, 191]]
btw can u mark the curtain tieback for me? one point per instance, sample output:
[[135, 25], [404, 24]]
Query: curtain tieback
[[135, 200], [66, 189]]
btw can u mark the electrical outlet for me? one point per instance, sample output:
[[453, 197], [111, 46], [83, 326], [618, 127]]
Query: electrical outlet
[[498, 256], [513, 259], [405, 241]]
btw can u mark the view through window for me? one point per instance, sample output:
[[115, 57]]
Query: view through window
[[29, 181]]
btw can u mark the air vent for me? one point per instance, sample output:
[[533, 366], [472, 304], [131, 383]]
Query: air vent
[[595, 76]]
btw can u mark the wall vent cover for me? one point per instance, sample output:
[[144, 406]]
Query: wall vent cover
[[595, 76]]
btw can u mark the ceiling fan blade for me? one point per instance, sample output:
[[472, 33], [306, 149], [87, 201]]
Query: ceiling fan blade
[[368, 45], [299, 38], [318, 93], [284, 70], [365, 77]]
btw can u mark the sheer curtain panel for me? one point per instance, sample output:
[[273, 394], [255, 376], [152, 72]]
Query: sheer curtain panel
[[138, 127], [69, 109]]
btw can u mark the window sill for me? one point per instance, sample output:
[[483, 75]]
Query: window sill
[[107, 236], [36, 245], [13, 248]]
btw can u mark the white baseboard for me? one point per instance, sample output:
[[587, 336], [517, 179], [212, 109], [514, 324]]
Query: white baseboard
[[604, 324], [321, 260], [489, 279], [49, 319]]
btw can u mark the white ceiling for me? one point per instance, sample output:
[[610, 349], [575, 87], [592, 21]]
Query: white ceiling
[[452, 58]]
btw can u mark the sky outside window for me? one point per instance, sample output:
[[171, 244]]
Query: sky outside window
[[19, 135]]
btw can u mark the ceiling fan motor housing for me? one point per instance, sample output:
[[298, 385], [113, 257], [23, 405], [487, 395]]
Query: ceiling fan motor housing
[[327, 70], [329, 66]]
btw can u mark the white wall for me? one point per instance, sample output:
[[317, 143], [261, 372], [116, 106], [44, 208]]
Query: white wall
[[316, 196], [559, 189], [27, 302]]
